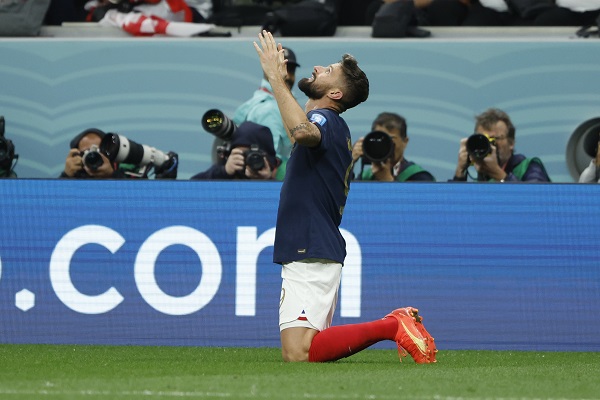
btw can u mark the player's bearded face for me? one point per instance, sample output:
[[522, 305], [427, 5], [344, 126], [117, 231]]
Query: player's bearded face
[[311, 89]]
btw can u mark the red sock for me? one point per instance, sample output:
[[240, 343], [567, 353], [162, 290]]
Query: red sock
[[342, 341]]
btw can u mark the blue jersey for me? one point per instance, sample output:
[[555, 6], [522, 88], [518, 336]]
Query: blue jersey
[[313, 194]]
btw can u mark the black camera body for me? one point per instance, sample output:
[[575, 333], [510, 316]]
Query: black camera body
[[223, 151], [7, 149], [378, 146], [254, 157], [479, 145], [92, 158]]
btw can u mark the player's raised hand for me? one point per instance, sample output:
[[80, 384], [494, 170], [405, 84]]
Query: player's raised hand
[[271, 56]]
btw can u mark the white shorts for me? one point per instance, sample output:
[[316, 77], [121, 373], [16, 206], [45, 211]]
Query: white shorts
[[309, 292]]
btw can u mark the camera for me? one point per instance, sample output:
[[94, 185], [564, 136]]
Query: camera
[[7, 149], [590, 142], [480, 145], [92, 158], [255, 158], [223, 152], [217, 123], [122, 150], [378, 146], [119, 149]]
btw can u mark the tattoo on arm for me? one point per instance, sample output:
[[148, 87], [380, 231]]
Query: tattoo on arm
[[302, 126]]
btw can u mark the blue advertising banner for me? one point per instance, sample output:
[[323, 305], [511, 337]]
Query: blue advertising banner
[[150, 262]]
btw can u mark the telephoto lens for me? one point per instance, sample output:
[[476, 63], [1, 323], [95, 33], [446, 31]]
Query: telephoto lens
[[479, 145], [378, 146], [218, 124], [122, 150], [590, 142]]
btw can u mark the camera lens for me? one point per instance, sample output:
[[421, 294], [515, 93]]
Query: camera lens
[[110, 146], [590, 142], [255, 158], [122, 150], [478, 146], [218, 124], [378, 146], [93, 160]]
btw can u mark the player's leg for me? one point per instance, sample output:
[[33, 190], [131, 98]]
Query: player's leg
[[295, 343], [403, 325], [308, 301], [309, 293], [343, 341]]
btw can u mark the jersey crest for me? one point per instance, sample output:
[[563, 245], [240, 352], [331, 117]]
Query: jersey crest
[[318, 119]]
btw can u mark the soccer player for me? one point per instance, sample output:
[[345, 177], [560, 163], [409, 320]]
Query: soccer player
[[308, 243]]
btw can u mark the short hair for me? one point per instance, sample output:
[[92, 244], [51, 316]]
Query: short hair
[[391, 121], [356, 89], [491, 117]]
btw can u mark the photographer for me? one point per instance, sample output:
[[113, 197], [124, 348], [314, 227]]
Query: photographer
[[249, 155], [98, 155], [498, 163], [591, 174], [262, 109], [393, 166], [89, 141], [7, 154]]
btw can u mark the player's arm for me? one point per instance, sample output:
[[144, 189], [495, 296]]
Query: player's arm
[[295, 121], [275, 68]]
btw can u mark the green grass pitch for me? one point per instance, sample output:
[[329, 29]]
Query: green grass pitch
[[136, 372]]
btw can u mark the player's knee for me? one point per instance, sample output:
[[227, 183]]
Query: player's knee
[[294, 355]]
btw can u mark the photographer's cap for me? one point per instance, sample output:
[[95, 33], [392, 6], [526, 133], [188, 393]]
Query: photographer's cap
[[291, 57]]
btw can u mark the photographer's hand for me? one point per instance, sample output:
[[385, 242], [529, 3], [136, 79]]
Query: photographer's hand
[[235, 162], [489, 166], [106, 170], [597, 160], [73, 163], [382, 171], [264, 173], [463, 160], [357, 149]]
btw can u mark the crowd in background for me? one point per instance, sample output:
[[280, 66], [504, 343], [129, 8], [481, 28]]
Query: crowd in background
[[362, 12]]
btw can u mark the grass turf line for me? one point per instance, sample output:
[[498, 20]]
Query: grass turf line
[[136, 372]]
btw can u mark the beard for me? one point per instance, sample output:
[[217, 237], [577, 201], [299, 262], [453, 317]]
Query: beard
[[310, 89]]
